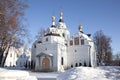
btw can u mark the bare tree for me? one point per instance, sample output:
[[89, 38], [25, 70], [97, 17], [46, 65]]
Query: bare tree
[[116, 59], [117, 56], [12, 30], [41, 33], [103, 48]]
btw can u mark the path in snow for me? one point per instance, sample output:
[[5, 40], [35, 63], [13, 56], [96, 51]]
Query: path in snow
[[45, 76]]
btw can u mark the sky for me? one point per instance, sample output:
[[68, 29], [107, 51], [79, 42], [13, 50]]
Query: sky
[[93, 15]]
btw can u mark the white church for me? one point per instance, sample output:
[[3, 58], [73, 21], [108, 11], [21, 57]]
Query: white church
[[57, 51]]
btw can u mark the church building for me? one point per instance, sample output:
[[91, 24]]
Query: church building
[[55, 50]]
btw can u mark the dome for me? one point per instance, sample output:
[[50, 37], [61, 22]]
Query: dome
[[61, 14], [80, 27], [61, 25]]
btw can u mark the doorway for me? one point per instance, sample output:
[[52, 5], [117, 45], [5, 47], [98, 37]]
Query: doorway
[[45, 64]]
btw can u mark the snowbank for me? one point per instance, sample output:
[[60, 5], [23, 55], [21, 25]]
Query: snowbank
[[89, 73], [6, 74]]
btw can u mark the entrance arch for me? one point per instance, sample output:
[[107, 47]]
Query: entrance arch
[[45, 64]]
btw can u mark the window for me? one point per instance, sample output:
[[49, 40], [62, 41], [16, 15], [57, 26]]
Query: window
[[71, 42], [82, 41], [76, 41], [62, 61], [39, 41], [46, 39], [63, 35], [80, 64], [76, 65], [65, 44], [34, 46]]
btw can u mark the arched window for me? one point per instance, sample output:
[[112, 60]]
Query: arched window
[[85, 63], [63, 35], [62, 61], [76, 65], [80, 64]]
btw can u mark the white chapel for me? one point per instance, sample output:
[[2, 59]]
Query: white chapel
[[57, 51]]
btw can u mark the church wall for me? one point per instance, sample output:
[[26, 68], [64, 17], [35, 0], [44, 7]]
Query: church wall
[[62, 54], [78, 54], [48, 48]]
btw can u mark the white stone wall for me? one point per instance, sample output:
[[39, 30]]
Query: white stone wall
[[17, 57], [50, 47], [78, 54]]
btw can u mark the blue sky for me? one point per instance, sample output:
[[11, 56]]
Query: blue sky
[[93, 15]]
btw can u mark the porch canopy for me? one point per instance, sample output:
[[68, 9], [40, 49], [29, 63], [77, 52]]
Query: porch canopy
[[44, 54]]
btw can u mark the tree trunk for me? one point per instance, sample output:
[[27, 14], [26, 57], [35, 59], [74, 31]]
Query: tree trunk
[[5, 54]]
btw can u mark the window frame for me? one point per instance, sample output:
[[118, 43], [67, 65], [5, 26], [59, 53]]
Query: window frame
[[76, 41], [62, 61], [82, 42], [71, 42]]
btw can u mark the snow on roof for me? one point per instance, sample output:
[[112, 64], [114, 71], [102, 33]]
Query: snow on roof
[[44, 54], [82, 35]]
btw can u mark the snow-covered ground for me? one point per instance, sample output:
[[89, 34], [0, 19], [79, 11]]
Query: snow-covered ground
[[78, 73], [8, 74], [88, 73], [45, 75]]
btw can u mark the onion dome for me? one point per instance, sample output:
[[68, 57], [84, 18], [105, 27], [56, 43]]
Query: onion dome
[[53, 21], [61, 14], [80, 28]]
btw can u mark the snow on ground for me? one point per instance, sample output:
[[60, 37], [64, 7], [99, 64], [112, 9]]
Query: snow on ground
[[45, 75], [7, 74], [78, 73], [88, 73]]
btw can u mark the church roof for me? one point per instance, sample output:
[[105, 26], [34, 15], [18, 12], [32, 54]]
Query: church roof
[[44, 54], [61, 20], [52, 34], [53, 26]]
